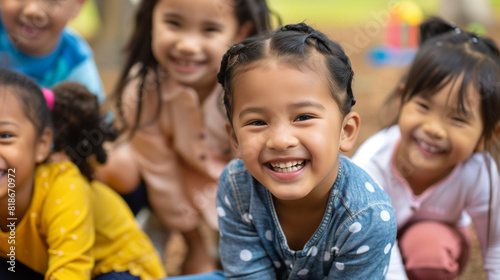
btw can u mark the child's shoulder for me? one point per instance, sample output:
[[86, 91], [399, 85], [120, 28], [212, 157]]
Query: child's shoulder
[[52, 176], [478, 167], [356, 185], [73, 47]]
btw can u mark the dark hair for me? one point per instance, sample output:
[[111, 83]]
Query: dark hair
[[138, 49], [294, 44], [446, 54], [30, 98], [79, 127]]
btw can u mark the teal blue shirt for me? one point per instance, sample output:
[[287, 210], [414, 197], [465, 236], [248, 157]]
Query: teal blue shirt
[[71, 60]]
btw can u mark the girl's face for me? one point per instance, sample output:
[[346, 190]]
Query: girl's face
[[288, 129], [436, 134], [190, 37], [35, 26], [20, 147]]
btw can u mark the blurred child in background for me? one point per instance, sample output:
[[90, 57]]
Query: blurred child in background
[[34, 40], [169, 108], [79, 133], [438, 161]]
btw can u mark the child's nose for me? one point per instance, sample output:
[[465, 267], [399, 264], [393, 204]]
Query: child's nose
[[189, 44], [36, 12], [434, 129], [281, 139]]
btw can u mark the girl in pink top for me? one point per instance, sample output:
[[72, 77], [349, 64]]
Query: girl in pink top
[[170, 111], [439, 160]]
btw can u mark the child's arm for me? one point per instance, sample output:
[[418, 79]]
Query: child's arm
[[239, 241], [67, 220]]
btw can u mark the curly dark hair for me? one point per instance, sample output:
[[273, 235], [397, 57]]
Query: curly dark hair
[[80, 129]]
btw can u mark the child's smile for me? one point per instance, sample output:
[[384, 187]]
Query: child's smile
[[285, 167], [35, 26], [428, 148], [287, 170]]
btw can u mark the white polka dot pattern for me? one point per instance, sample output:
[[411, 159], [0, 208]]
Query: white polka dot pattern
[[268, 235], [221, 212], [385, 216], [327, 256], [303, 272], [369, 187], [245, 255], [313, 251], [363, 249], [356, 227], [387, 248]]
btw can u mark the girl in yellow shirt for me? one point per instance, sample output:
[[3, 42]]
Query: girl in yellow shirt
[[54, 224]]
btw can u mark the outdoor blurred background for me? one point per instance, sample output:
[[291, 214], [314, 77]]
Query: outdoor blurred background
[[378, 35]]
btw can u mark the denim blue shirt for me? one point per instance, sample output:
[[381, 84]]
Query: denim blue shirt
[[353, 241]]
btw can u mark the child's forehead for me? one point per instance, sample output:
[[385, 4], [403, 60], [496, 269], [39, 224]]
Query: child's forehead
[[212, 8], [458, 95], [312, 63], [10, 103]]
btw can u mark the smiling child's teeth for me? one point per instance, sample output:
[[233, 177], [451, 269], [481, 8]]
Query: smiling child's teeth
[[287, 166], [430, 148]]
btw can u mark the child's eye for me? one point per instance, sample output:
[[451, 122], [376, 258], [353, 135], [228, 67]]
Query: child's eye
[[172, 23], [5, 135], [422, 105], [458, 120], [304, 118], [211, 29], [256, 123]]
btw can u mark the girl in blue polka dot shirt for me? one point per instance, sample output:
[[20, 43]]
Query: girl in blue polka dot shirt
[[291, 206]]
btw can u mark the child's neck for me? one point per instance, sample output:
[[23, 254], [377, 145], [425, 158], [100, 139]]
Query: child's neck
[[300, 219], [204, 92], [420, 180]]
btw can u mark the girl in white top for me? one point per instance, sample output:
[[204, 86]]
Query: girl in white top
[[439, 160]]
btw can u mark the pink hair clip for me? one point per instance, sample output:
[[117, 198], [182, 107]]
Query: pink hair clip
[[49, 97]]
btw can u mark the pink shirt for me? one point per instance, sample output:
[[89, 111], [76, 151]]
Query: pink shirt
[[463, 195], [180, 151]]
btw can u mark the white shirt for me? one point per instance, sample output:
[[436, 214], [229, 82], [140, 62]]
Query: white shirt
[[461, 196]]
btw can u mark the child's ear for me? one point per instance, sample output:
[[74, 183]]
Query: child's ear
[[233, 140], [43, 145], [350, 130], [244, 31]]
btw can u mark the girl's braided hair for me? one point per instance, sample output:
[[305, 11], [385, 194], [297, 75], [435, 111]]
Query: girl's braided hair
[[294, 44]]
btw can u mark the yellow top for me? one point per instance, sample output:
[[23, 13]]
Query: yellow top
[[120, 243], [73, 231]]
